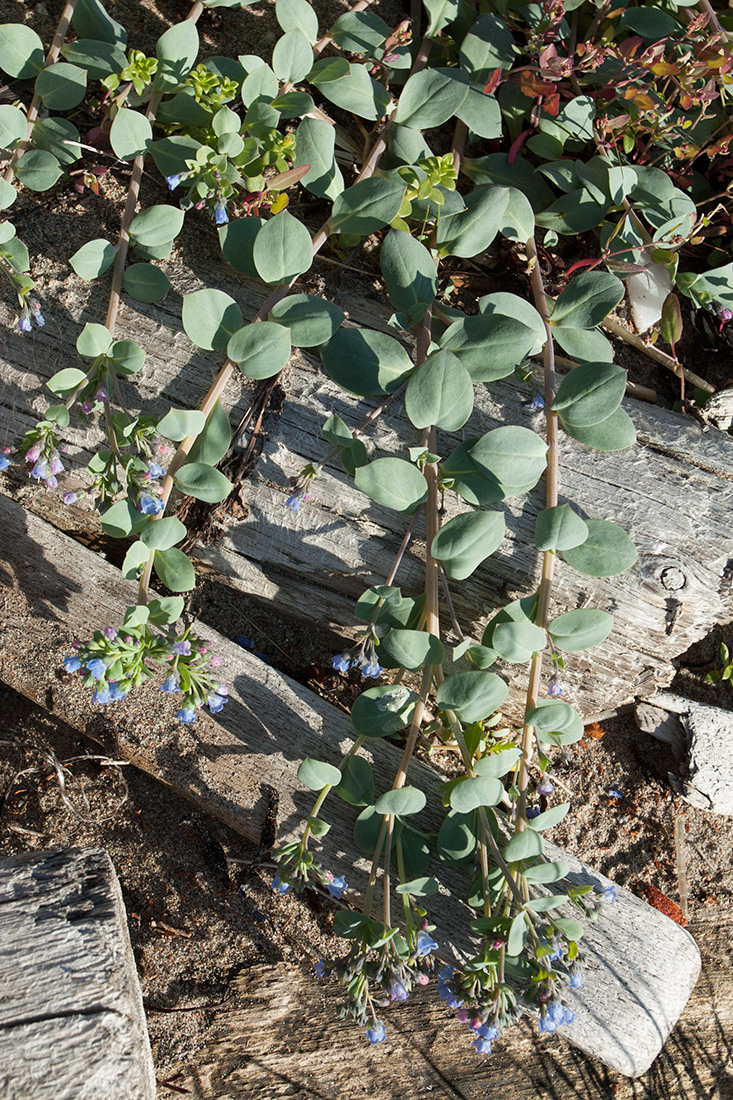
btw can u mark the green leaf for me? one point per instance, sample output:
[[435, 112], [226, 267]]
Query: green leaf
[[381, 710], [135, 558], [472, 695], [549, 818], [587, 345], [260, 350], [590, 393], [315, 146], [510, 456], [348, 925], [137, 616], [171, 153], [167, 610], [487, 46], [572, 724], [357, 782], [490, 346], [587, 300], [616, 433], [90, 20], [456, 841], [59, 414], [518, 221], [517, 933], [178, 423], [524, 845], [93, 258], [418, 887], [467, 481], [573, 929], [392, 482], [126, 356], [546, 872], [440, 393], [410, 274], [401, 802], [606, 552], [575, 213], [38, 170], [297, 14], [174, 570], [482, 115], [471, 232], [360, 32], [59, 137], [203, 482], [100, 59], [260, 86], [475, 791], [311, 320], [467, 540], [163, 533], [12, 126], [176, 50], [551, 717], [410, 649], [282, 249], [293, 104], [356, 92], [67, 380], [516, 642], [431, 97], [237, 241], [93, 340], [498, 763], [145, 283], [61, 86], [317, 774], [130, 135], [213, 443], [578, 630], [123, 519], [367, 206], [292, 57], [210, 318], [157, 225], [8, 194], [329, 68], [559, 528], [365, 362], [547, 903], [441, 13], [21, 51], [671, 324]]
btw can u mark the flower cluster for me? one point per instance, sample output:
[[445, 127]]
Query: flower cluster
[[115, 661], [298, 869], [43, 460], [30, 310], [378, 976], [363, 656], [301, 488]]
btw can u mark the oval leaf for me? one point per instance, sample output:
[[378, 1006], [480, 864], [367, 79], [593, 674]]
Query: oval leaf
[[203, 482], [312, 321], [472, 695], [365, 362], [524, 845], [317, 774], [476, 791], [440, 392], [210, 318], [381, 710], [410, 649], [130, 135], [402, 802], [606, 552], [367, 206], [581, 629], [590, 393], [282, 249], [260, 350], [174, 570], [93, 258], [178, 423], [392, 482], [467, 540], [559, 528]]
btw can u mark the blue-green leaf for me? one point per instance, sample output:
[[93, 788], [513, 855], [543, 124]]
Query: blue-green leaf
[[260, 350], [174, 569], [282, 249], [392, 482], [365, 362], [210, 318], [203, 482], [317, 774], [467, 540]]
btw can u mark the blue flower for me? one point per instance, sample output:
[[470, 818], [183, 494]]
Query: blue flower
[[186, 715], [216, 703], [182, 648], [155, 470], [341, 662], [533, 812], [24, 324], [546, 1025], [320, 968], [38, 318], [537, 403], [150, 506], [170, 684], [97, 667], [554, 688], [4, 462], [425, 943], [397, 992], [172, 181], [486, 1031], [576, 980], [116, 692], [281, 887], [40, 470], [335, 884], [101, 695], [555, 953], [609, 894], [72, 664], [371, 668], [376, 1034], [545, 786], [220, 212], [294, 502], [483, 1046]]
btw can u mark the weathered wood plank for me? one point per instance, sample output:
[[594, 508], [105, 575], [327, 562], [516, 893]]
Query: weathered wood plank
[[673, 492], [72, 1025], [54, 589], [304, 1051]]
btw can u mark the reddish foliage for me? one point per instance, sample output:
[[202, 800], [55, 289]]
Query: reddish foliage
[[662, 903]]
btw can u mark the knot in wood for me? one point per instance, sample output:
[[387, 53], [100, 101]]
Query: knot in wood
[[673, 578]]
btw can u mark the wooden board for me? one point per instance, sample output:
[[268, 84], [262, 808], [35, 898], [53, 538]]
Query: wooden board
[[72, 1025], [243, 768], [673, 491], [303, 1051]]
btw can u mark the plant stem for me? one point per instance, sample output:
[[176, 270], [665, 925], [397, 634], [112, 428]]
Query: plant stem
[[58, 40]]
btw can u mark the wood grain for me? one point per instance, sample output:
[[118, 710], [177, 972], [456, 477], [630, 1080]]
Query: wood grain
[[72, 1025], [632, 996]]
